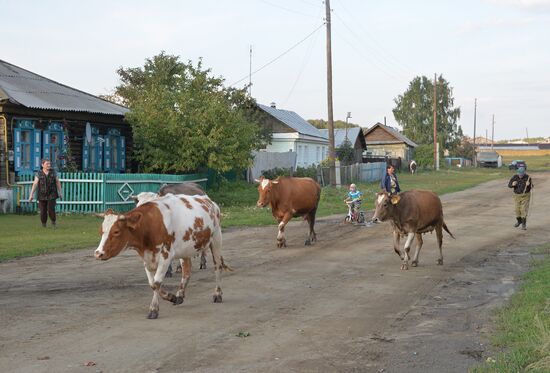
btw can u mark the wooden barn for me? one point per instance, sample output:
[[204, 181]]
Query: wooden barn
[[383, 140], [41, 118]]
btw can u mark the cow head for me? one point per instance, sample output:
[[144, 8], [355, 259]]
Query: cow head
[[264, 191], [384, 206], [117, 233]]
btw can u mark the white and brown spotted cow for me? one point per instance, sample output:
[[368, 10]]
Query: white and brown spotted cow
[[290, 197], [170, 227], [412, 214]]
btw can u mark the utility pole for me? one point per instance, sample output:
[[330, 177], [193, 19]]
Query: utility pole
[[475, 115], [250, 73], [331, 152], [493, 133], [435, 122], [347, 117], [527, 134]]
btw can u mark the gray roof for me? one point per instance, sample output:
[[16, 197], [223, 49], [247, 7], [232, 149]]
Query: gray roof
[[398, 135], [340, 135], [293, 120], [22, 87], [487, 156]]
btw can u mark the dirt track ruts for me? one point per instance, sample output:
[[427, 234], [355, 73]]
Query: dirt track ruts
[[339, 305]]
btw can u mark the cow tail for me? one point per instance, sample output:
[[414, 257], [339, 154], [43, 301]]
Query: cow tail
[[225, 267], [447, 230]]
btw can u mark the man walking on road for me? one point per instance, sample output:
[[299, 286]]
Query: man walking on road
[[522, 185]]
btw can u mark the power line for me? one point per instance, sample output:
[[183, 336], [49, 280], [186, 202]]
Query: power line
[[286, 9], [368, 58], [304, 64], [305, 61], [376, 44], [279, 56], [372, 53]]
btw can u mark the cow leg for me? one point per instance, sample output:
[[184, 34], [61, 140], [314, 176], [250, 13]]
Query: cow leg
[[185, 275], [310, 217], [159, 277], [419, 243], [154, 306], [216, 247], [203, 260], [439, 234], [396, 242], [281, 240], [405, 264]]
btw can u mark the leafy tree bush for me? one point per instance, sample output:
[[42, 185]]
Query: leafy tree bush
[[310, 171], [345, 153], [184, 119], [424, 156], [414, 112]]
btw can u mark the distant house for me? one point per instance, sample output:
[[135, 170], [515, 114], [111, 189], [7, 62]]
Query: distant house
[[354, 135], [41, 118], [516, 150], [293, 133], [383, 140]]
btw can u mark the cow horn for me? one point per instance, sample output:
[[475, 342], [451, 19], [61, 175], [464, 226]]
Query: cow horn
[[122, 217], [100, 215], [274, 182], [257, 180]]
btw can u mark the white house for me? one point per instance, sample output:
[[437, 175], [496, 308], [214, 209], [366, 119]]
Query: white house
[[293, 133]]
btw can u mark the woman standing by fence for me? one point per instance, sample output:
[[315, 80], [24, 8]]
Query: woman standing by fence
[[49, 190]]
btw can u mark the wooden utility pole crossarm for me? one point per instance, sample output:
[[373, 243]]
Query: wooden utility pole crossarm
[[331, 150]]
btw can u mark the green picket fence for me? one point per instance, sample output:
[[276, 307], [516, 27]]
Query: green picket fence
[[95, 192]]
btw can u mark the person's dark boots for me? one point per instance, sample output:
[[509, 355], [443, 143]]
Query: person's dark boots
[[524, 224], [518, 223]]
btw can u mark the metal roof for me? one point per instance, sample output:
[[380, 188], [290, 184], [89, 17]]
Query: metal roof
[[398, 135], [22, 87], [340, 135], [294, 121]]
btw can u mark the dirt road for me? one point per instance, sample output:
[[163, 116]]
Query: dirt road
[[340, 305]]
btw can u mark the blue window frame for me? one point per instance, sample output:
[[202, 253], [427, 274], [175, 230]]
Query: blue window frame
[[27, 142], [114, 151], [53, 145], [92, 153]]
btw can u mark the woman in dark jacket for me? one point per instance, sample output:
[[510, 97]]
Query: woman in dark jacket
[[390, 184], [49, 189]]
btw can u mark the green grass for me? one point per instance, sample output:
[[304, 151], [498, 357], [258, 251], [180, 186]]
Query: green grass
[[22, 235], [534, 162], [523, 326]]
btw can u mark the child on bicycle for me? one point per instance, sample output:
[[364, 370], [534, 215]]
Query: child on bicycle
[[354, 198]]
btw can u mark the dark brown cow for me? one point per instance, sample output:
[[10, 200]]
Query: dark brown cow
[[191, 189], [290, 197], [411, 214]]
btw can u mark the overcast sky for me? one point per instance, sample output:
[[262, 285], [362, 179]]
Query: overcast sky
[[495, 50]]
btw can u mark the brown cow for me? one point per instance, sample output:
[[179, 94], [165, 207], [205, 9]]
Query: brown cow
[[290, 197], [412, 213]]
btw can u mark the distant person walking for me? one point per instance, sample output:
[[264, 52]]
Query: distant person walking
[[390, 183], [522, 185], [49, 190]]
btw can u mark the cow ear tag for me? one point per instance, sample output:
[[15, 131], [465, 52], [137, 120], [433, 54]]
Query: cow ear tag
[[395, 200]]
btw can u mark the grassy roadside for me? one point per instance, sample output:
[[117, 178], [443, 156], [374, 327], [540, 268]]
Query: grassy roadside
[[22, 235], [523, 325]]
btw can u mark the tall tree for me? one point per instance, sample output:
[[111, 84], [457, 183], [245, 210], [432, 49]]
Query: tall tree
[[414, 112], [323, 124], [184, 119]]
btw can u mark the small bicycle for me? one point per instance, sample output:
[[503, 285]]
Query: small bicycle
[[355, 215]]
